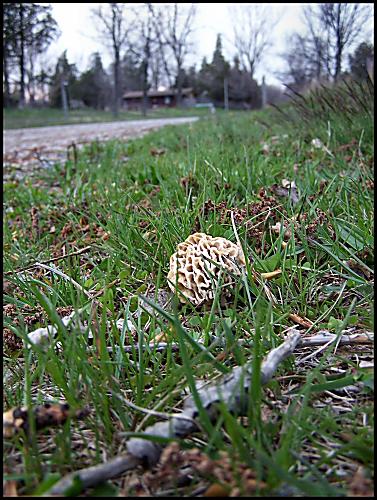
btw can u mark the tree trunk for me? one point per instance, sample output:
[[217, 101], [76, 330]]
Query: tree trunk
[[338, 59], [21, 102], [6, 79], [116, 82], [179, 87], [31, 79], [145, 88], [339, 48]]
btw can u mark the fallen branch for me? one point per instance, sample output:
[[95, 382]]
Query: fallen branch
[[41, 335], [230, 390], [323, 337], [78, 252], [94, 475]]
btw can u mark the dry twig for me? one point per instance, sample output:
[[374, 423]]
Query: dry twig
[[229, 390], [36, 264]]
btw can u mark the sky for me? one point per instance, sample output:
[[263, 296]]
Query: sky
[[80, 38]]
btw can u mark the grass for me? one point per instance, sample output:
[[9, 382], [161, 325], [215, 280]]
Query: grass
[[43, 117], [310, 431]]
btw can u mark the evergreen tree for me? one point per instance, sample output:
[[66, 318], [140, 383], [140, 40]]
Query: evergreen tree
[[131, 73], [190, 79], [244, 92], [93, 87], [64, 71], [219, 70], [358, 61], [211, 75]]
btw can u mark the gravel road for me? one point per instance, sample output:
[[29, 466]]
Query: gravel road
[[29, 144]]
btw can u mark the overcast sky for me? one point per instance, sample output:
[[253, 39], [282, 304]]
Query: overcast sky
[[80, 38]]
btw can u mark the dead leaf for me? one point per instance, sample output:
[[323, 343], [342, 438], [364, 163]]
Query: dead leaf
[[272, 274], [45, 415], [287, 233], [216, 490], [157, 151], [360, 485], [358, 268], [161, 337], [34, 221], [10, 488], [288, 189], [300, 321]]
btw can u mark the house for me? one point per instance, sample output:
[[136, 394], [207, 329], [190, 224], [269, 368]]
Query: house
[[158, 98]]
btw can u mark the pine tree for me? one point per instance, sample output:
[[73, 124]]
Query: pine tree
[[93, 87], [358, 61], [63, 71]]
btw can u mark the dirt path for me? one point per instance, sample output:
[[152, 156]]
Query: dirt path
[[23, 148]]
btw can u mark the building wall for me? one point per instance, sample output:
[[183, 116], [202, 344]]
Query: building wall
[[169, 101], [153, 102]]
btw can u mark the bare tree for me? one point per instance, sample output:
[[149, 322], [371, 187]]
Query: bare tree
[[298, 69], [343, 22], [174, 26], [317, 44], [28, 30], [252, 28], [143, 46], [331, 30], [306, 56], [158, 23], [113, 29], [156, 68]]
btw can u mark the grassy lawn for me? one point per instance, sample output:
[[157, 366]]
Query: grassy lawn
[[26, 118], [309, 431]]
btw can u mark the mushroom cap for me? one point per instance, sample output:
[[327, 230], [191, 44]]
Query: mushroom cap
[[196, 266]]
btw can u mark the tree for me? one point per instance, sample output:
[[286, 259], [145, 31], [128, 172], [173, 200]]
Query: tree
[[28, 30], [315, 45], [244, 92], [331, 30], [303, 61], [343, 22], [9, 48], [190, 79], [43, 31], [92, 85], [219, 70], [143, 48], [111, 25], [252, 28], [204, 77], [131, 72], [64, 71], [173, 26], [358, 61]]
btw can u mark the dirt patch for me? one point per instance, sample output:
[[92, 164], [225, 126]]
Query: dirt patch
[[26, 149]]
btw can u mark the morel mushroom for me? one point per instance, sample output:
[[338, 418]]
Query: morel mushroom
[[196, 266]]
